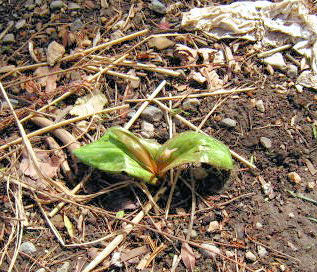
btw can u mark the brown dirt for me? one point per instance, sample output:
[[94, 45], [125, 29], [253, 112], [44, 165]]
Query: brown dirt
[[248, 217]]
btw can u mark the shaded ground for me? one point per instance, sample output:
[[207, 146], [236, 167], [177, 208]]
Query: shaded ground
[[248, 217]]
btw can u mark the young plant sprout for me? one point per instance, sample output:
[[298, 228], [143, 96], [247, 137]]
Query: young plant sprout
[[119, 150]]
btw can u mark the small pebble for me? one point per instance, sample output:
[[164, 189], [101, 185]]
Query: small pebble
[[260, 105], [228, 122], [262, 251], [266, 142], [258, 225], [57, 4], [292, 70], [152, 114], [55, 52], [116, 259], [9, 38], [160, 43], [157, 6], [198, 77], [41, 270], [210, 250], [147, 129], [64, 268], [213, 225], [311, 185], [250, 256], [294, 177], [28, 248], [229, 254], [291, 215], [191, 104], [21, 23]]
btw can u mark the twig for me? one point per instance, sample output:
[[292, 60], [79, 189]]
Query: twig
[[60, 124], [144, 105], [214, 93], [192, 126], [302, 197], [126, 230], [273, 51]]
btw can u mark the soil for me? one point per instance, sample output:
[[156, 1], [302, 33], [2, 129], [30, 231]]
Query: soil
[[250, 217]]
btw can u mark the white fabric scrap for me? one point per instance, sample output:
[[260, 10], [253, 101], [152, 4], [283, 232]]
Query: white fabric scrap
[[270, 24]]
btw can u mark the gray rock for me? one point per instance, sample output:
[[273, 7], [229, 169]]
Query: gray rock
[[147, 129], [21, 23], [250, 256], [152, 114], [191, 104], [57, 4], [228, 122], [157, 6], [76, 25], [9, 38], [266, 142], [210, 250], [260, 105], [262, 251], [28, 248], [73, 6], [64, 268]]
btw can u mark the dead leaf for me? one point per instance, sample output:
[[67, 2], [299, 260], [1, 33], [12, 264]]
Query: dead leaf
[[188, 257], [212, 77], [50, 165], [89, 104], [49, 81], [32, 53], [186, 54], [55, 52]]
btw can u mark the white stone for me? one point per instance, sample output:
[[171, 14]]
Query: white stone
[[250, 256], [210, 250], [229, 253], [276, 60], [213, 225], [157, 6], [191, 104], [152, 114], [262, 251], [266, 142], [260, 105], [28, 248], [228, 122], [258, 225]]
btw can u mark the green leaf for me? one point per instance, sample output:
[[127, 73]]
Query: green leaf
[[121, 151], [120, 214], [110, 154], [193, 147]]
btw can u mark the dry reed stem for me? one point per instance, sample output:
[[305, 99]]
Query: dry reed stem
[[144, 105], [192, 126], [60, 124], [83, 53], [126, 230], [214, 93]]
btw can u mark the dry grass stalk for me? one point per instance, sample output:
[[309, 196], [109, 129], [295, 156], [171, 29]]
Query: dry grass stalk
[[214, 93], [192, 126], [126, 230], [61, 124], [144, 105]]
